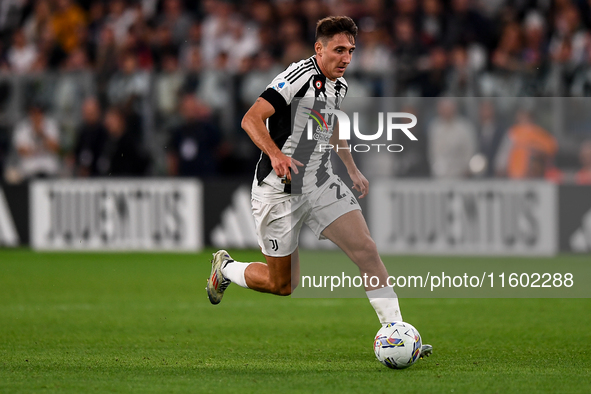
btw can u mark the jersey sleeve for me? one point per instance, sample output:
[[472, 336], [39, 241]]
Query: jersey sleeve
[[280, 92]]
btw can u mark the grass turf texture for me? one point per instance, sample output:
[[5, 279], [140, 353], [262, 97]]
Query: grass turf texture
[[142, 323]]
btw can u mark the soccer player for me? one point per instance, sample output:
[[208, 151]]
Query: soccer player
[[294, 182]]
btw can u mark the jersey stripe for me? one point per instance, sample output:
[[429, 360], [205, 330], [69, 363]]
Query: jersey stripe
[[300, 73], [321, 173], [305, 64]]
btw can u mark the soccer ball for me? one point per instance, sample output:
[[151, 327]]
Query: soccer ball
[[397, 345]]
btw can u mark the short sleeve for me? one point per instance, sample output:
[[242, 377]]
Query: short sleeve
[[281, 91]]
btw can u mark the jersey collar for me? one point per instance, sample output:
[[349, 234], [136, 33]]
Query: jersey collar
[[316, 65]]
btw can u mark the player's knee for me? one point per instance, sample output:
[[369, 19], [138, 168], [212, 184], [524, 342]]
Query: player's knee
[[281, 289], [366, 249]]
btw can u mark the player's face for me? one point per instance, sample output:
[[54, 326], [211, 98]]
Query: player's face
[[334, 58]]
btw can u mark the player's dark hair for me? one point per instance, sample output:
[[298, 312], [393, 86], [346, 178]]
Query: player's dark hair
[[326, 28]]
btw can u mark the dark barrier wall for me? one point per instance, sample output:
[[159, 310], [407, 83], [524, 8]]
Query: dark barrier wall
[[217, 197], [575, 219], [14, 214]]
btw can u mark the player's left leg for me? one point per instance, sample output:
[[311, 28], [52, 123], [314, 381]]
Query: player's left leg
[[350, 233]]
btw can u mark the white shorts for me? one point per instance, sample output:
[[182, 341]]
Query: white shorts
[[278, 224]]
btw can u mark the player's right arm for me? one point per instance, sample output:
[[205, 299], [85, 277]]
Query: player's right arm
[[254, 125]]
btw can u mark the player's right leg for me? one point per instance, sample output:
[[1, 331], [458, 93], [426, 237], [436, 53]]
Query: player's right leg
[[275, 277], [277, 232]]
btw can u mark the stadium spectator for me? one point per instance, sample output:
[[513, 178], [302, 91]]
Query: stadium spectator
[[137, 42], [193, 69], [581, 85], [508, 55], [50, 53], [77, 60], [289, 31], [527, 150], [262, 13], [535, 45], [176, 19], [70, 87], [39, 19], [409, 53], [68, 21], [289, 8], [291, 46], [190, 45], [121, 154], [167, 86], [163, 45], [215, 27], [36, 141], [432, 22], [105, 61], [215, 88], [240, 43], [490, 135], [466, 25], [372, 54], [462, 75], [193, 145], [90, 139], [96, 20], [311, 12], [567, 50], [583, 176], [433, 80], [22, 55], [407, 8], [11, 12], [129, 86], [120, 18], [569, 33], [451, 142]]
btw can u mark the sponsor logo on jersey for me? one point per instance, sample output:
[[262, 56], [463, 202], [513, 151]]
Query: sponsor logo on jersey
[[279, 86]]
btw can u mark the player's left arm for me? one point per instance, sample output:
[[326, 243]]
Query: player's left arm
[[360, 183]]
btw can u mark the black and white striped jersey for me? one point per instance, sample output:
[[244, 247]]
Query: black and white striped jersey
[[296, 93]]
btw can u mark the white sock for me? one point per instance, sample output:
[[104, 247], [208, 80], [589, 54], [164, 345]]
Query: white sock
[[234, 271], [385, 303]]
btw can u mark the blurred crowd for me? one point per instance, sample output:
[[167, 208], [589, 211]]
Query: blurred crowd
[[153, 87]]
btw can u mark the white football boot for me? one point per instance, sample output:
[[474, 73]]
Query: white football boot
[[426, 351], [217, 283]]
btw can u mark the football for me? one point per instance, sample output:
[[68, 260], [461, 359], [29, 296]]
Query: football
[[397, 345]]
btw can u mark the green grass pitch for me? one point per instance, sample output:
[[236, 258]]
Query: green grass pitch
[[77, 323]]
